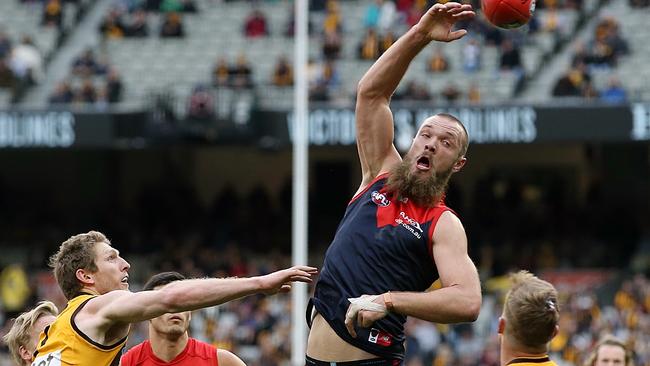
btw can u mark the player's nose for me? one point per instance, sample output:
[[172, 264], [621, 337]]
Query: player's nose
[[126, 265]]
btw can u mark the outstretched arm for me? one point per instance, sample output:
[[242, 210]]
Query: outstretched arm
[[126, 307], [459, 299], [374, 120]]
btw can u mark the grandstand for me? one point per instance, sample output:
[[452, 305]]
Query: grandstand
[[140, 135]]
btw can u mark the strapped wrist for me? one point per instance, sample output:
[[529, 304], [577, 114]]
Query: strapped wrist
[[388, 300]]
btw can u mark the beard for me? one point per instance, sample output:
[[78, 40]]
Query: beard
[[424, 191]]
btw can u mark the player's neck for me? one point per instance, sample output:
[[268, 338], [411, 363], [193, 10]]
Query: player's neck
[[167, 347], [509, 353]]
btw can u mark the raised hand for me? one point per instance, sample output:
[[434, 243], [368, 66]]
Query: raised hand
[[280, 281], [439, 20]]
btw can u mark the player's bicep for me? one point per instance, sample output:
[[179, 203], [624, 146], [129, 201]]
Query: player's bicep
[[375, 133], [128, 307], [450, 254]]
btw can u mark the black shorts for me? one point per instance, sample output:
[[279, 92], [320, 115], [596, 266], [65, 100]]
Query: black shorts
[[371, 362]]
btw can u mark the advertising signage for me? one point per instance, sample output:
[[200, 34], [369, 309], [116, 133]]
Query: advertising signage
[[485, 125], [328, 126], [65, 129]]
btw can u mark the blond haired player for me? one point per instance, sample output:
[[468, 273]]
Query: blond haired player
[[22, 338]]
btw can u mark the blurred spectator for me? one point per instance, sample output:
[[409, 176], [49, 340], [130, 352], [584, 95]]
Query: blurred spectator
[[87, 92], [510, 56], [189, 6], [329, 76], [386, 41], [5, 44], [241, 73], [113, 86], [327, 82], [101, 101], [471, 53], [112, 26], [52, 13], [201, 104], [369, 46], [413, 15], [332, 21], [172, 26], [404, 6], [451, 93], [474, 94], [283, 73], [138, 26], [85, 65], [331, 45], [7, 78], [169, 6], [415, 91], [614, 93], [177, 6], [573, 83], [255, 24], [607, 45], [63, 94], [371, 17], [438, 61], [387, 16], [610, 351], [26, 61], [221, 73]]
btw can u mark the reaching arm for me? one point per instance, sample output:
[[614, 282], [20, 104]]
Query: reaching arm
[[126, 307], [459, 299], [374, 120]]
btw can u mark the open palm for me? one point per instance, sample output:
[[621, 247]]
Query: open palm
[[439, 20]]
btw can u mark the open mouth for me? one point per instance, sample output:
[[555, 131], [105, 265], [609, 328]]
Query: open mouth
[[423, 163], [125, 279]]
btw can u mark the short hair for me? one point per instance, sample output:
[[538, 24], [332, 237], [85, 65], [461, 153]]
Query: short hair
[[161, 279], [19, 334], [531, 311], [609, 340], [464, 144], [78, 252]]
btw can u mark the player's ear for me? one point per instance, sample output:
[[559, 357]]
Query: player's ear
[[556, 330], [85, 277], [459, 164], [502, 325], [24, 353]]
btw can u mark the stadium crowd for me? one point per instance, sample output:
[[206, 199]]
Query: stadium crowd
[[384, 21]]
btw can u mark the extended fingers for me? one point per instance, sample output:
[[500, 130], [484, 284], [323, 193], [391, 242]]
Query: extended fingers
[[466, 14], [457, 34], [350, 317], [302, 278], [305, 268]]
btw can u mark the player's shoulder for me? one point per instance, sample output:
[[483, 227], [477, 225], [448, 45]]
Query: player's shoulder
[[197, 348], [449, 218], [227, 358], [135, 355]]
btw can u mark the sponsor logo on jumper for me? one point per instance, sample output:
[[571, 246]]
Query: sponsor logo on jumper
[[380, 199], [409, 224], [379, 337]]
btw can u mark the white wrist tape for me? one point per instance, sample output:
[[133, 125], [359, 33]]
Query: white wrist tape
[[365, 302]]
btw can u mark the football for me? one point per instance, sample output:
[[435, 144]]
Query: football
[[508, 14]]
